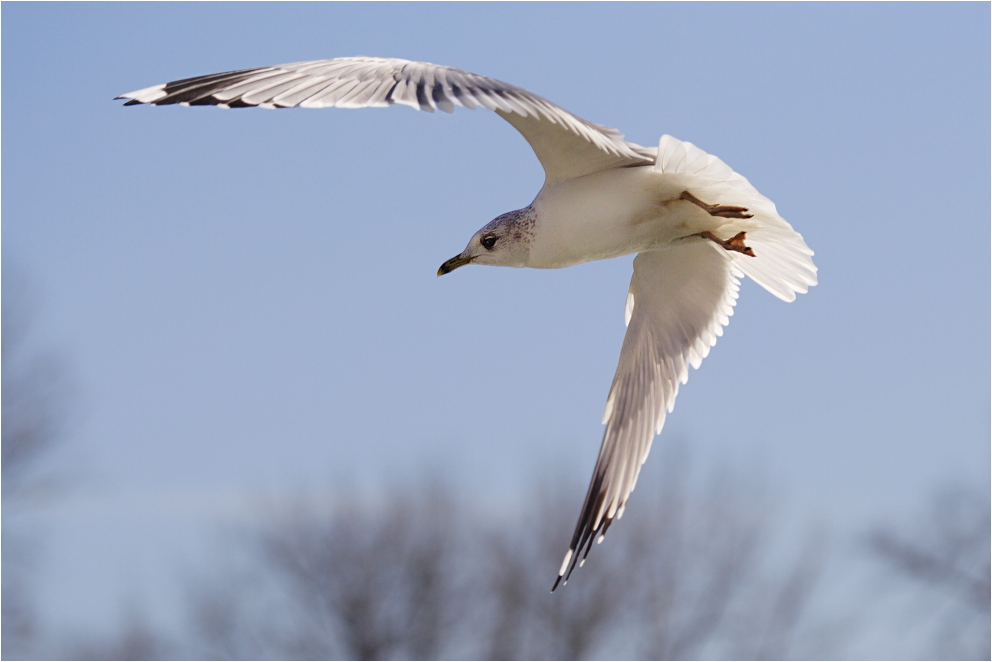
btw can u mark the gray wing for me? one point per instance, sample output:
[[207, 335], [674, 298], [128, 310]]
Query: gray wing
[[567, 146], [680, 299]]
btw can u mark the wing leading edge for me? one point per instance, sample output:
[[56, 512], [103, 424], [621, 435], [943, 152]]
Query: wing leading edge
[[566, 145]]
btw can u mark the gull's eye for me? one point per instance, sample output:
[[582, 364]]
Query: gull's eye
[[488, 241]]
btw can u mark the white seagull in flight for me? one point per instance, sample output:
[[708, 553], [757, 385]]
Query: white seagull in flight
[[696, 227]]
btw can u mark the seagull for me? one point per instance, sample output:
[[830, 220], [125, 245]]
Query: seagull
[[696, 227]]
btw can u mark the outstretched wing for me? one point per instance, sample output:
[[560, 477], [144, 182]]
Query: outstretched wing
[[680, 299], [567, 146]]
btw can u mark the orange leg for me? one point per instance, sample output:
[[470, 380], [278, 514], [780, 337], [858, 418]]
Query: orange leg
[[724, 211]]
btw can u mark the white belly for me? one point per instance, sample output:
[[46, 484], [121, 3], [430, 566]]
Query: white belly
[[609, 214]]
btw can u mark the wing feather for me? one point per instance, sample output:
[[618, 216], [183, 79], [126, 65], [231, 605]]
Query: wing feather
[[566, 145], [680, 297]]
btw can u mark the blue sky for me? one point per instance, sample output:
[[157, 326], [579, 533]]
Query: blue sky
[[248, 301]]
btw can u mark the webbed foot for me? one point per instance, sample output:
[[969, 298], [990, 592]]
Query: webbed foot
[[735, 243]]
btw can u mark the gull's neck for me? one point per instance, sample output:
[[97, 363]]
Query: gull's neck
[[599, 216]]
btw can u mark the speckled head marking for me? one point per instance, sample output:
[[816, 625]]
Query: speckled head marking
[[517, 225], [504, 241]]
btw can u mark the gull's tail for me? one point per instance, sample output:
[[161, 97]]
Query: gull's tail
[[782, 262]]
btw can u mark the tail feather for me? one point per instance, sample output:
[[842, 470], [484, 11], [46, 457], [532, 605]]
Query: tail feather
[[782, 262]]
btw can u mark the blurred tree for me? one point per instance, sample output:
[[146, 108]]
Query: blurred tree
[[727, 582], [519, 617], [35, 390], [411, 575], [137, 641], [376, 580], [34, 396], [948, 552]]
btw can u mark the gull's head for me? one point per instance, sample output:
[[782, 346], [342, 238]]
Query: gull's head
[[503, 242]]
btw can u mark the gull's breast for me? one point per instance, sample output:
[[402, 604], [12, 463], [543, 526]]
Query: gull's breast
[[603, 215]]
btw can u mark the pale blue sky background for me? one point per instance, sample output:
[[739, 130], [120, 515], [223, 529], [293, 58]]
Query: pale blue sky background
[[248, 298]]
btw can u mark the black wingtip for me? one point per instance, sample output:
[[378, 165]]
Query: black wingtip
[[132, 102], [557, 581]]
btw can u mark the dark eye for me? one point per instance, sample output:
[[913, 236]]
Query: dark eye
[[488, 241]]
